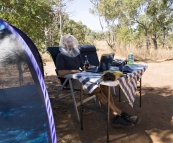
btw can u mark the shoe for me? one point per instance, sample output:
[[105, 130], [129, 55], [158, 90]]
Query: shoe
[[129, 118], [120, 122]]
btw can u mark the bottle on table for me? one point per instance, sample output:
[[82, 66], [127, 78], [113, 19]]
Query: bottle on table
[[86, 64]]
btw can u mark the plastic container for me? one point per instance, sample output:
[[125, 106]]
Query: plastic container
[[130, 59]]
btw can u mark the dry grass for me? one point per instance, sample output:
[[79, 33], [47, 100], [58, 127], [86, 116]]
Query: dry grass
[[140, 54], [103, 48], [46, 57]]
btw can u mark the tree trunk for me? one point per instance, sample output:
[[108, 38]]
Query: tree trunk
[[60, 23], [164, 35], [154, 41], [60, 19], [19, 67], [146, 34], [48, 41]]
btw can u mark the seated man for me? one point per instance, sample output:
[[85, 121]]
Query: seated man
[[69, 61]]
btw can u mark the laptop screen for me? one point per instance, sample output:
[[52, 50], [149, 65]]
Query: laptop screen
[[106, 61]]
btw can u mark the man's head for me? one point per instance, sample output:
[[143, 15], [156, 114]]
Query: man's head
[[69, 46], [68, 41]]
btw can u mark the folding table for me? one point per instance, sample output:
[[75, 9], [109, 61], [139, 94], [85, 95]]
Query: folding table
[[128, 85]]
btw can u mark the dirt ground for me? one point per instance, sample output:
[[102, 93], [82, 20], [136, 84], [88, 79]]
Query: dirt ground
[[156, 112]]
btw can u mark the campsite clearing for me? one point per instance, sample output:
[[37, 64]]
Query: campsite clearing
[[156, 111]]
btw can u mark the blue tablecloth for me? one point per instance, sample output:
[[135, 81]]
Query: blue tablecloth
[[128, 83]]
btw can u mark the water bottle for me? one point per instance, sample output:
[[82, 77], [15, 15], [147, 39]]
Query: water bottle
[[130, 59], [86, 64]]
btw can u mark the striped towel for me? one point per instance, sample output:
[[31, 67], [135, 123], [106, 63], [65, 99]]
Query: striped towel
[[129, 84], [90, 81]]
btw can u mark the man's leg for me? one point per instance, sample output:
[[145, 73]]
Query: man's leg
[[121, 118], [105, 91], [103, 99]]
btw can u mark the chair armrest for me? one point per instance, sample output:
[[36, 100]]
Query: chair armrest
[[68, 76]]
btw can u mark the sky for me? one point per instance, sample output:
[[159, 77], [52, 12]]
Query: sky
[[81, 13]]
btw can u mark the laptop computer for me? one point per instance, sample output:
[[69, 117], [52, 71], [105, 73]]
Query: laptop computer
[[104, 64]]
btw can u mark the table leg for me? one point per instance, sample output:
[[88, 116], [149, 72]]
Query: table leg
[[108, 113], [140, 91], [81, 107], [119, 94]]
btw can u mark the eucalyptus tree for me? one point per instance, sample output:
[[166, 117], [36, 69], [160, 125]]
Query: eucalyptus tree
[[146, 14], [127, 13], [61, 7], [31, 16], [102, 9], [153, 16], [164, 21], [125, 34], [60, 16], [78, 29], [53, 32]]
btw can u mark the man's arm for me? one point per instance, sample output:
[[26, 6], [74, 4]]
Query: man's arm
[[62, 73]]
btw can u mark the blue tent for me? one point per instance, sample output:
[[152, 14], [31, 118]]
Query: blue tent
[[25, 109]]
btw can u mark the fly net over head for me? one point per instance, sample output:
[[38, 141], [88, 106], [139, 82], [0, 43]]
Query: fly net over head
[[69, 46]]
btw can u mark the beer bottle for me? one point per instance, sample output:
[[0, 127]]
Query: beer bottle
[[86, 64]]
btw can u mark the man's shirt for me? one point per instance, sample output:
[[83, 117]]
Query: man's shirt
[[64, 62]]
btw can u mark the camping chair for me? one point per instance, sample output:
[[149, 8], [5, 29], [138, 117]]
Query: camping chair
[[90, 51], [54, 51]]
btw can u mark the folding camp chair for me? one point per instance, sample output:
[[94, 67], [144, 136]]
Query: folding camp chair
[[54, 51], [90, 51]]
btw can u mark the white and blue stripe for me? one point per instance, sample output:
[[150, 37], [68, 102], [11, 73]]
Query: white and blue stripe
[[128, 83]]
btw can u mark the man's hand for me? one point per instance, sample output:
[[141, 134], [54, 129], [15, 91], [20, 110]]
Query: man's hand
[[75, 71], [62, 73]]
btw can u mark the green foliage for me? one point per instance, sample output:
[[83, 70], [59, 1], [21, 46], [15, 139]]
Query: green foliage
[[125, 34], [75, 28], [31, 16], [80, 31], [40, 20], [150, 18], [107, 9]]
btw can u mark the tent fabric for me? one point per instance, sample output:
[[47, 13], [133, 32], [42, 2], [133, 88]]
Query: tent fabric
[[32, 47], [25, 109]]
